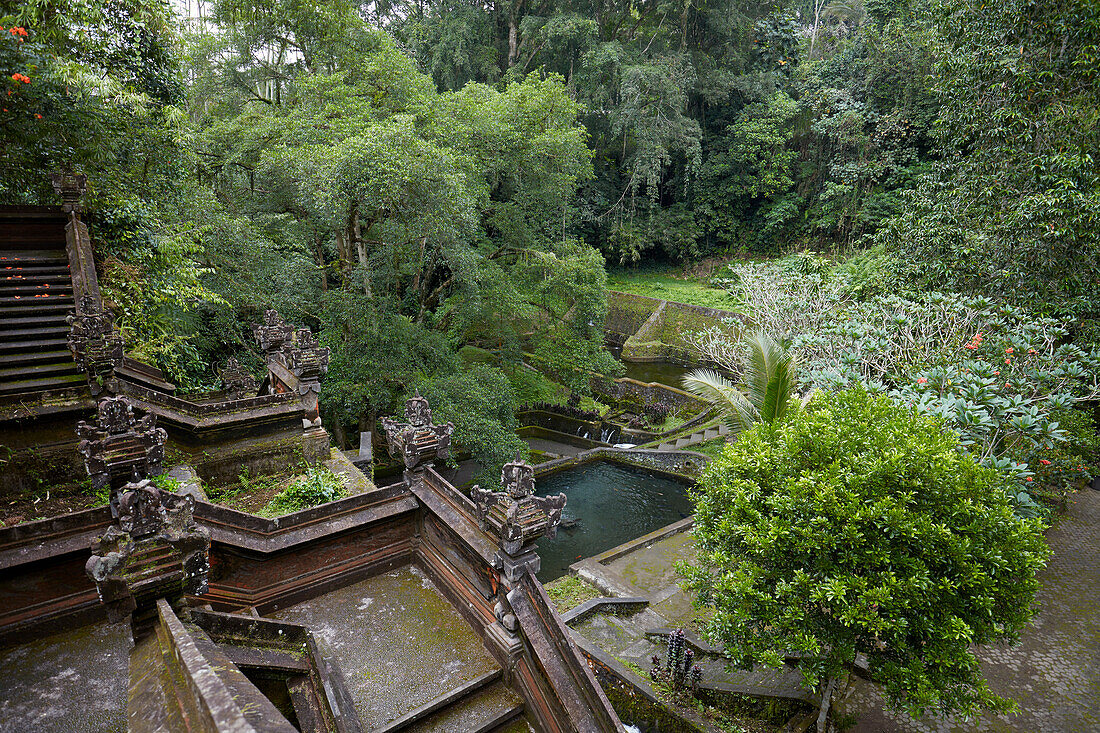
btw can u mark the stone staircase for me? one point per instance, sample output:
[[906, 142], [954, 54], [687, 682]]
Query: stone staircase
[[36, 294], [699, 436], [482, 705]]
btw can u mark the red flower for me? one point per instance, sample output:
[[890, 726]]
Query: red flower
[[38, 116], [1030, 479], [1009, 351], [1044, 461], [922, 380]]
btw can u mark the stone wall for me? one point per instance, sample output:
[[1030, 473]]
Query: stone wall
[[655, 398], [653, 330], [685, 465]]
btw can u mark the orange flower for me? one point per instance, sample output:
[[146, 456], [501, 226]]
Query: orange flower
[[38, 117], [1030, 479], [1044, 461]]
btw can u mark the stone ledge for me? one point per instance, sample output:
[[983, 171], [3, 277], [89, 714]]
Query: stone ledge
[[596, 604]]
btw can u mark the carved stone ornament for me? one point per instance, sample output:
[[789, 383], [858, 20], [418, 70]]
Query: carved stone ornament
[[96, 346], [295, 349], [155, 551], [119, 445], [518, 478], [71, 187], [418, 412], [515, 515], [238, 381], [417, 441]]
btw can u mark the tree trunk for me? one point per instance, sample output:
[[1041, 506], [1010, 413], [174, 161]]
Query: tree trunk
[[817, 23], [361, 250], [320, 252], [826, 703], [513, 34], [338, 433], [343, 254]]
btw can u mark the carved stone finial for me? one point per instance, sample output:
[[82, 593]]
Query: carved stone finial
[[518, 478], [238, 381], [418, 412], [155, 551], [417, 441], [293, 352], [119, 446], [515, 515], [274, 333], [71, 187], [96, 346]]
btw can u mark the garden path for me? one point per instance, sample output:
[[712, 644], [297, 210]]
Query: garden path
[[1054, 672]]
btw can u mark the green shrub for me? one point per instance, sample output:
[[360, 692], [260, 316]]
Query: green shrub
[[318, 486], [858, 526]]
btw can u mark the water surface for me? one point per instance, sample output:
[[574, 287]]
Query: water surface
[[611, 504]]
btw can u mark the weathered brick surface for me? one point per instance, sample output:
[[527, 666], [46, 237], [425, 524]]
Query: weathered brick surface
[[1054, 672]]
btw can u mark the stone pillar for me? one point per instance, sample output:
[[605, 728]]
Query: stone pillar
[[120, 446], [154, 551]]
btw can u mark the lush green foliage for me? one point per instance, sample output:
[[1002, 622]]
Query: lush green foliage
[[1014, 205], [857, 526], [994, 373], [317, 486], [769, 374], [480, 402]]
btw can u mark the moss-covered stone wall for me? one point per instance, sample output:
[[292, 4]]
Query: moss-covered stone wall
[[657, 330]]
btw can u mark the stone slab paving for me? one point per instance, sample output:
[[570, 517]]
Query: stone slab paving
[[649, 571], [74, 682], [399, 643], [1054, 672]]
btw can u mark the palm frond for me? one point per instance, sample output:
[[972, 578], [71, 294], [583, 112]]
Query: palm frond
[[771, 373], [737, 411]]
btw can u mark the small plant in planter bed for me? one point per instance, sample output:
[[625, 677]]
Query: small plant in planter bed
[[318, 486], [679, 670]]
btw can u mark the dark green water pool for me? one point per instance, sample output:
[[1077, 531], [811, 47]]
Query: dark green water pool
[[611, 504]]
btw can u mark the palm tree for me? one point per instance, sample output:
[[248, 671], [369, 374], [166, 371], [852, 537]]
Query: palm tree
[[767, 382]]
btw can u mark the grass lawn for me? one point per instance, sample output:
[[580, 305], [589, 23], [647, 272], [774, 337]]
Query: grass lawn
[[670, 283]]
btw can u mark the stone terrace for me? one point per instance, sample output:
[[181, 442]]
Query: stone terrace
[[1054, 672]]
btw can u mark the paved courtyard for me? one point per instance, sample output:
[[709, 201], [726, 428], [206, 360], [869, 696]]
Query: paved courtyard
[[1053, 673]]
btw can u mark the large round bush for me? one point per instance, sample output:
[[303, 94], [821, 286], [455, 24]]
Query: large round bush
[[859, 527]]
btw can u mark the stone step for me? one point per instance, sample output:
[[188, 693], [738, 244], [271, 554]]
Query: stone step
[[47, 320], [10, 289], [43, 331], [32, 307], [35, 267], [35, 357], [21, 276], [38, 371], [485, 711], [35, 345], [14, 256], [60, 381], [432, 707]]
